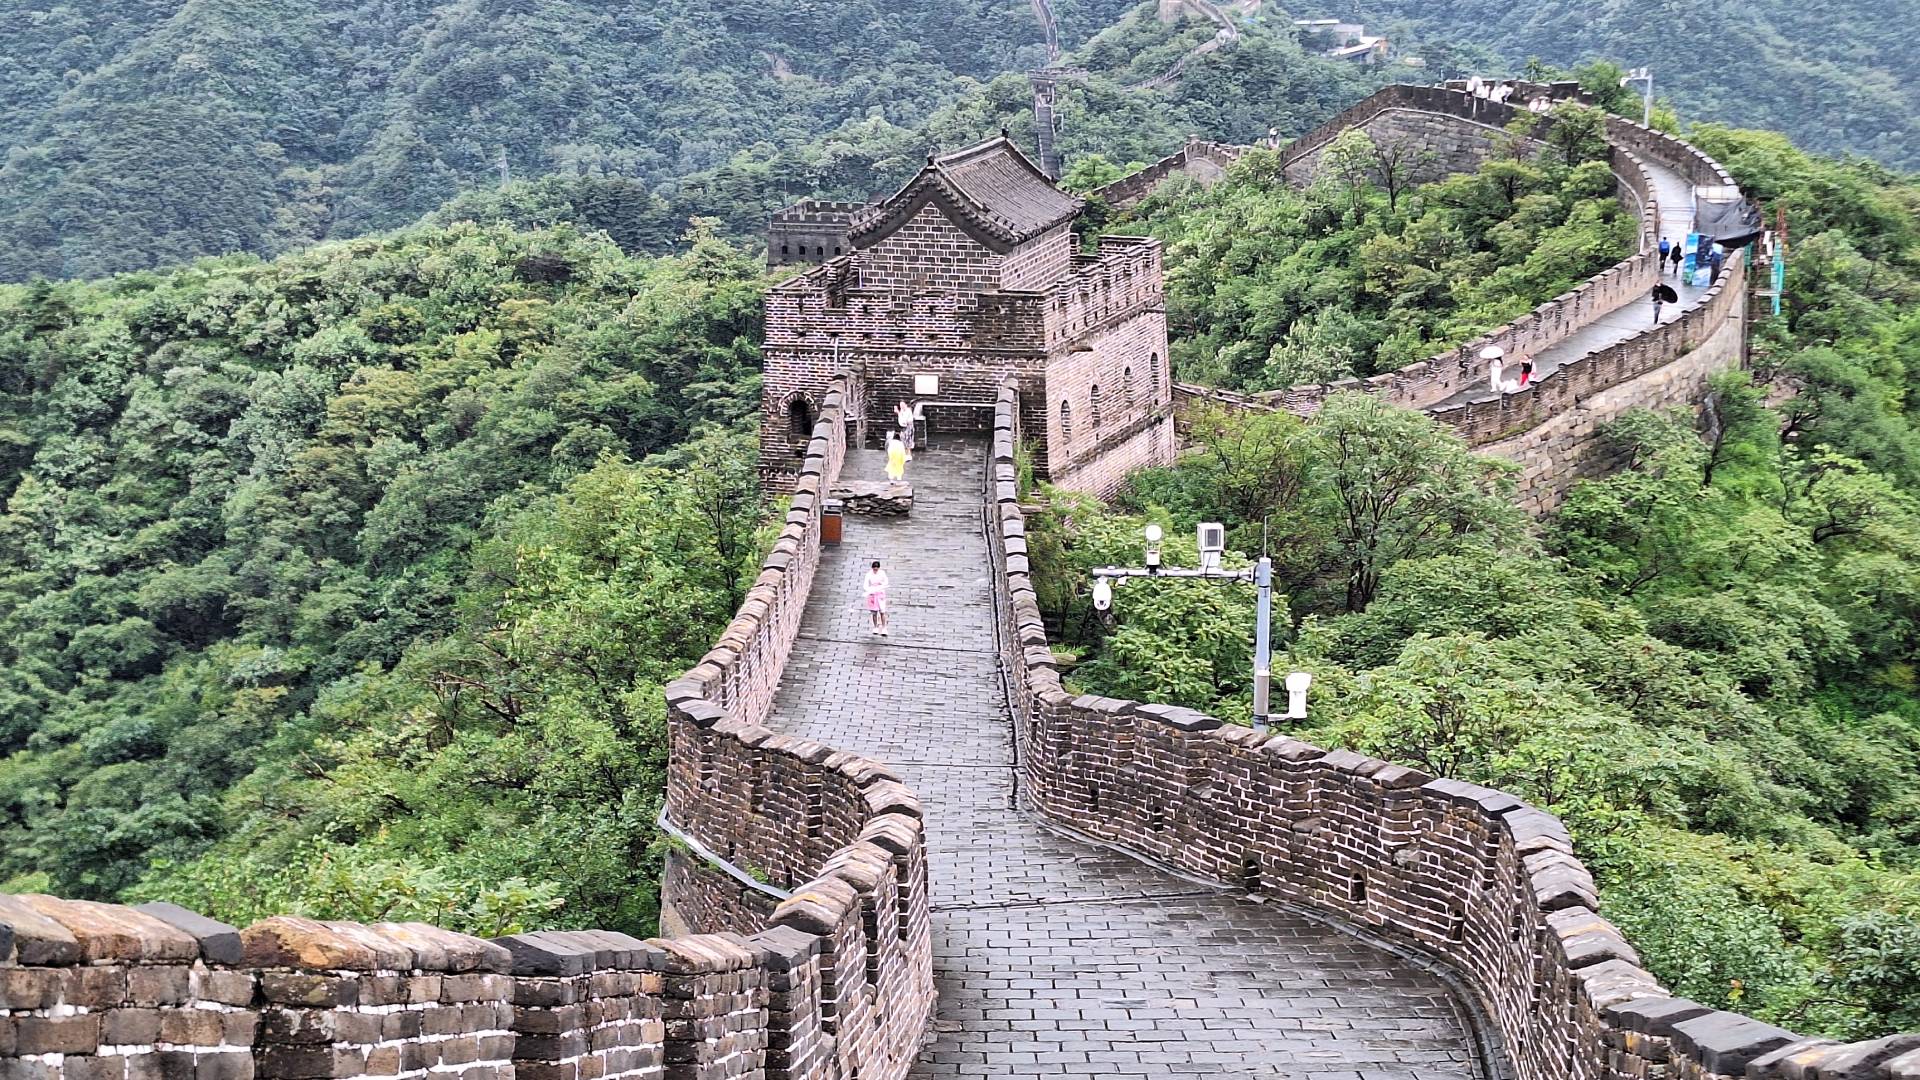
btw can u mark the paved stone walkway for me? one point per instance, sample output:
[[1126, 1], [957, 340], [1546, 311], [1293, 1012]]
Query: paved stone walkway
[[1056, 957], [1674, 193]]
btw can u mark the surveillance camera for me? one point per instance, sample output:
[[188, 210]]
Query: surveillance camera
[[1212, 537]]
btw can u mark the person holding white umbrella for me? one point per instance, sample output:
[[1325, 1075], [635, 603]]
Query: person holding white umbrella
[[1495, 356]]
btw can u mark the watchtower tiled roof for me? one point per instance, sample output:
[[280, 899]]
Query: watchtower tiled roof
[[992, 190]]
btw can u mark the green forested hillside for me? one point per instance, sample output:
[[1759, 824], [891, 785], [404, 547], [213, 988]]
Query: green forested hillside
[[364, 567], [1235, 94], [148, 133], [1839, 77]]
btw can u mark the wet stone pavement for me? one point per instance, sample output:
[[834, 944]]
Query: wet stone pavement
[[1057, 957]]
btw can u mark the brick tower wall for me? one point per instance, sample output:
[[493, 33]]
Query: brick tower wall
[[1107, 346], [968, 339], [810, 232], [1123, 370], [928, 252], [1038, 263]]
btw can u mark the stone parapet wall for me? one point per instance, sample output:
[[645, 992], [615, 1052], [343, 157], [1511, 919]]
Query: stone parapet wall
[[1493, 417], [851, 947], [1458, 146], [1472, 877], [1199, 159], [1121, 279], [1565, 447], [810, 231]]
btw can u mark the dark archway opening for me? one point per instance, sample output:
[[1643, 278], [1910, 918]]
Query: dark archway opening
[[799, 417]]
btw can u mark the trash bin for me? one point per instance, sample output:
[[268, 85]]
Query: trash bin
[[830, 521]]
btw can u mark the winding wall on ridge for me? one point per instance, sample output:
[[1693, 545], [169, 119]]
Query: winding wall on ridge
[[1550, 426], [1474, 877]]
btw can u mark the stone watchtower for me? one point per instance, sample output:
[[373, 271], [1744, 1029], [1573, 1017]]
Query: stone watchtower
[[968, 276]]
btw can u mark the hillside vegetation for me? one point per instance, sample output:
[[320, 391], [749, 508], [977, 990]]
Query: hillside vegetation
[[346, 583], [151, 133], [1706, 665], [147, 133], [1269, 286], [1839, 77]]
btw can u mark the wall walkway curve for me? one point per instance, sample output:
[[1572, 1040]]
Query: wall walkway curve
[[1474, 877], [1594, 355]]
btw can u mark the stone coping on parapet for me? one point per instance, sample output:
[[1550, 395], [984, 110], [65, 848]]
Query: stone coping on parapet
[[1501, 896], [1137, 185]]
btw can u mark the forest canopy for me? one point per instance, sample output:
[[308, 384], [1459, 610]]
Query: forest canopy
[[346, 583]]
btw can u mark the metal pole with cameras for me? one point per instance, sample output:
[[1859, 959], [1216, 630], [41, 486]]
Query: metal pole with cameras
[[1213, 544]]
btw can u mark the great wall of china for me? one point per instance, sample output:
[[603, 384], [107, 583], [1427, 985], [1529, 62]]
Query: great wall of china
[[1036, 883], [1597, 351]]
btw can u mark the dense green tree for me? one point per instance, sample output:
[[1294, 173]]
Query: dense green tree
[[306, 594]]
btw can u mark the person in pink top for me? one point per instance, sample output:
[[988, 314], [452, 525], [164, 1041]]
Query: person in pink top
[[877, 598]]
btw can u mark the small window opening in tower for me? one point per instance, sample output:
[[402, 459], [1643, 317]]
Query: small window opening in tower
[[799, 416], [1153, 376], [1126, 383], [1094, 396], [1066, 422]]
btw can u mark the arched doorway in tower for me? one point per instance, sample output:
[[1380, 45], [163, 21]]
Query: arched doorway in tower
[[800, 420]]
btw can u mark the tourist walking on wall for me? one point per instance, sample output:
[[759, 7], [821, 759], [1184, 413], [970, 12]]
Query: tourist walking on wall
[[896, 457], [1678, 256], [877, 598], [904, 417], [1495, 356], [1666, 252], [1663, 294]]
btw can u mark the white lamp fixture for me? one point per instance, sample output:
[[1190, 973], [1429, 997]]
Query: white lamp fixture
[[1153, 534], [1297, 684]]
